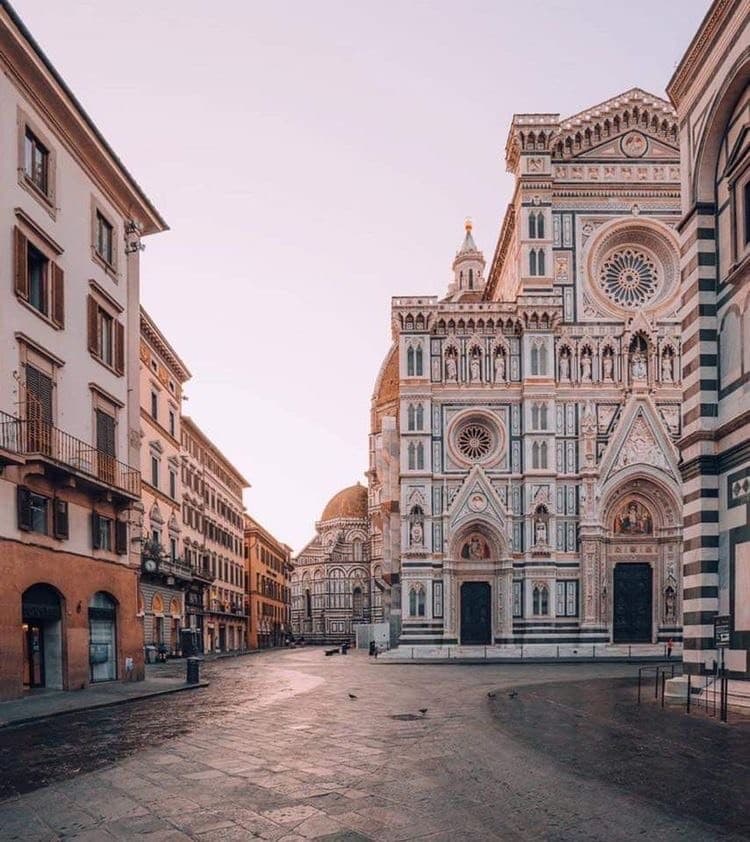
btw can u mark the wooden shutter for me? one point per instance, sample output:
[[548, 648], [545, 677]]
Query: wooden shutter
[[95, 531], [24, 509], [58, 295], [105, 433], [119, 347], [121, 537], [60, 519], [21, 280], [93, 325]]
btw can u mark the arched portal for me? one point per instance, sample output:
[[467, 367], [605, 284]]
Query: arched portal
[[41, 617]]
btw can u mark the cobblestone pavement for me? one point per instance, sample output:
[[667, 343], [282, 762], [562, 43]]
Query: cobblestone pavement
[[277, 749]]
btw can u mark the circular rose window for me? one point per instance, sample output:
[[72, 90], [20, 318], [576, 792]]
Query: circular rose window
[[474, 441], [629, 277]]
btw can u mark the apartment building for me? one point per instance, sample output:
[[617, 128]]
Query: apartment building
[[166, 575], [71, 222], [213, 521], [269, 569]]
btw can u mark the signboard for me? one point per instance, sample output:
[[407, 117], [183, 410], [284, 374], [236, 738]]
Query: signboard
[[722, 631]]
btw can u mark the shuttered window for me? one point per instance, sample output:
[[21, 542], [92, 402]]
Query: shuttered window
[[105, 433], [39, 281], [106, 336], [38, 395]]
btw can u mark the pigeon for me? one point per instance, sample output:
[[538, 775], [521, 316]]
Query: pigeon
[[512, 694], [352, 696], [491, 694], [423, 711]]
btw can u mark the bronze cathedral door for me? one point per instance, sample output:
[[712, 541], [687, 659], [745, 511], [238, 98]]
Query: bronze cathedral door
[[476, 614], [632, 608]]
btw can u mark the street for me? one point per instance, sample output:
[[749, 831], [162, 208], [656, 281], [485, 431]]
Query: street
[[293, 745]]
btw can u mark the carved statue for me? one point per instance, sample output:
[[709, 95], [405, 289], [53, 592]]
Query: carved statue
[[669, 604], [586, 367], [564, 366], [451, 370], [541, 533], [417, 534], [500, 367], [638, 366], [475, 369], [607, 366], [666, 368]]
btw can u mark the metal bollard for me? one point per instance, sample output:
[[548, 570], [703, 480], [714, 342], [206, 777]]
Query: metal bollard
[[193, 671], [663, 685], [689, 692]]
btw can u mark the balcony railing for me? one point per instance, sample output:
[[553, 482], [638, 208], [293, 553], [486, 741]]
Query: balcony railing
[[38, 438]]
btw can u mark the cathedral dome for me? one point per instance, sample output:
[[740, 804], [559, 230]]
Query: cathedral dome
[[349, 503], [385, 396]]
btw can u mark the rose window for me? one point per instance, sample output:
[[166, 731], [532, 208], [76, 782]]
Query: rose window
[[629, 277], [474, 441]]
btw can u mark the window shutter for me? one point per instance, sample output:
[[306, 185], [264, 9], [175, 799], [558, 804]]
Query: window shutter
[[60, 519], [93, 314], [121, 537], [21, 279], [95, 543], [24, 509], [58, 295], [119, 347]]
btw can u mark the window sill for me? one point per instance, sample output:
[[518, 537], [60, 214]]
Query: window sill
[[46, 200], [109, 268], [106, 365], [43, 316]]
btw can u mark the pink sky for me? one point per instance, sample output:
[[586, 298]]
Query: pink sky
[[314, 159]]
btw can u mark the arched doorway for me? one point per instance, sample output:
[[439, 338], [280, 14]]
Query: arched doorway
[[632, 603], [103, 637], [41, 617]]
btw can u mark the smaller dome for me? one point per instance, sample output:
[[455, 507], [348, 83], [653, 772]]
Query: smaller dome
[[349, 503]]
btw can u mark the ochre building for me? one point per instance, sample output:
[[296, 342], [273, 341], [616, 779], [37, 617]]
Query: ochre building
[[269, 570]]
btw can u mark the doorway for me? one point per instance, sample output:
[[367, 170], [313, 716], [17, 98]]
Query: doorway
[[632, 604], [476, 622], [102, 637], [42, 638]]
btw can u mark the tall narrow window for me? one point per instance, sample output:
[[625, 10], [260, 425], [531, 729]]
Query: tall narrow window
[[543, 416], [535, 417], [543, 455], [357, 549], [540, 263], [410, 362], [154, 472], [418, 361], [471, 279], [154, 405], [420, 602], [36, 162], [411, 416], [535, 455], [532, 225], [411, 451], [420, 417], [532, 262], [540, 226], [420, 457], [534, 359], [104, 240], [37, 265], [542, 359], [413, 602], [172, 423], [106, 343], [106, 446], [173, 485]]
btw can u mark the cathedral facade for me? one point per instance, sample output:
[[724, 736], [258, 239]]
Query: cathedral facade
[[523, 479]]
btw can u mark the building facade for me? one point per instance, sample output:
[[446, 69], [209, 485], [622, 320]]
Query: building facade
[[269, 570], [711, 91], [331, 582], [72, 218], [524, 482], [213, 511], [165, 573]]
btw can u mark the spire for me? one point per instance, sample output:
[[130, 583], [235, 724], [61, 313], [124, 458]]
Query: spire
[[468, 266]]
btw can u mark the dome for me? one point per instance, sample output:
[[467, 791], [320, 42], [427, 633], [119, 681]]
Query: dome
[[385, 397], [349, 503]]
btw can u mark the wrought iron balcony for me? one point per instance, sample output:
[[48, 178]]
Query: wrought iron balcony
[[23, 440]]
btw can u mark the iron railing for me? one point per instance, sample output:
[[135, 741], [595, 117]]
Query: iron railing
[[38, 438]]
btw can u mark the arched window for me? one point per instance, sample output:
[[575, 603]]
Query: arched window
[[540, 226], [174, 608], [411, 450], [420, 456], [410, 361], [420, 603], [420, 417], [532, 262], [540, 263], [416, 601], [308, 604], [534, 359], [542, 359], [358, 605], [471, 279], [532, 225], [418, 361], [413, 602], [410, 416], [543, 416], [535, 455], [357, 549], [535, 417], [540, 600], [543, 455], [157, 604]]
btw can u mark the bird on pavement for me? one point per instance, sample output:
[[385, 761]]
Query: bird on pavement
[[423, 711], [512, 694], [352, 696], [491, 694]]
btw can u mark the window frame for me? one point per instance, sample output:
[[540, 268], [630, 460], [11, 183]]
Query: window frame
[[102, 311], [46, 196], [108, 262]]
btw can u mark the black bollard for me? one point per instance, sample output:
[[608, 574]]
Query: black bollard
[[193, 671]]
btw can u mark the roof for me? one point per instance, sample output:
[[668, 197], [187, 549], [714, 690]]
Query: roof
[[192, 428], [386, 387], [349, 503], [468, 245], [150, 331], [154, 221]]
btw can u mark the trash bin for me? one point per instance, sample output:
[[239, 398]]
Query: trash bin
[[150, 654], [193, 671]]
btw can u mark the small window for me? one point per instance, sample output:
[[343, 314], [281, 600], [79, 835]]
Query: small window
[[154, 472], [532, 262], [173, 548], [173, 485], [532, 226], [36, 162], [420, 416], [418, 361], [172, 423], [33, 512], [104, 239], [101, 532], [106, 338], [410, 362], [154, 405], [37, 265]]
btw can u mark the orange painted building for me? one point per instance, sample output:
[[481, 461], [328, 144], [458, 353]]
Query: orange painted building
[[269, 586]]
